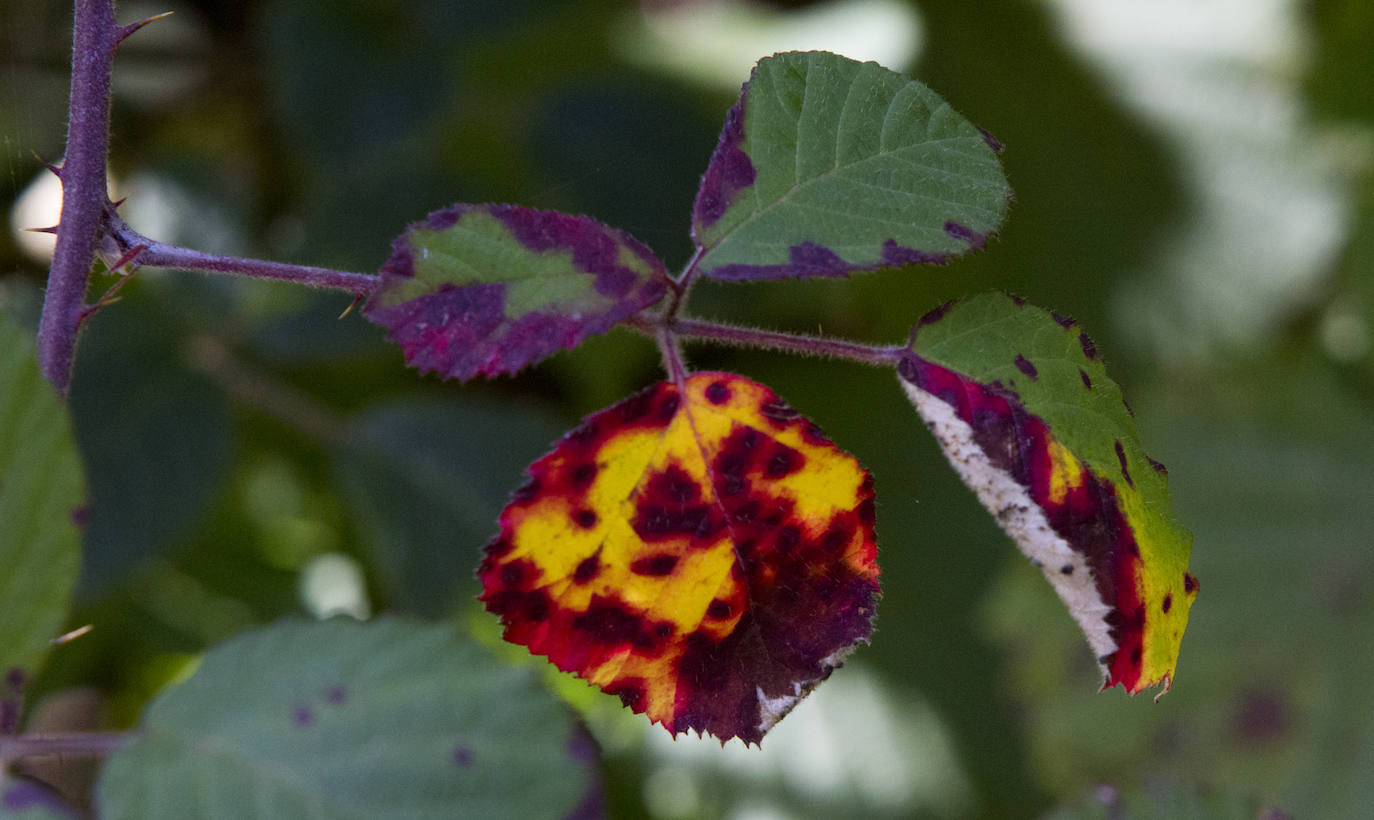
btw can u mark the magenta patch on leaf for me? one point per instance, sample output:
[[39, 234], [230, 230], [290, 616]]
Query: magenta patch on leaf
[[811, 260], [595, 247], [729, 171], [963, 233], [992, 142], [479, 315], [896, 256]]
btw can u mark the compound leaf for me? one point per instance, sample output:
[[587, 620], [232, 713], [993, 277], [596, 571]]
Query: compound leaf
[[42, 499], [491, 288], [345, 719], [1025, 412], [828, 166], [708, 556]]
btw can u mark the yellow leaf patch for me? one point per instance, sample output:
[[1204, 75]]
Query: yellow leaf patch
[[708, 557]]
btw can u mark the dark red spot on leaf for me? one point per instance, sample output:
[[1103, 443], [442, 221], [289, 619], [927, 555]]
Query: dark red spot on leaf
[[785, 461], [1087, 382], [336, 695], [1157, 467], [462, 757], [1190, 584], [588, 568], [1089, 349], [1062, 320], [654, 565], [1168, 602], [630, 692], [302, 716], [585, 518], [1024, 365], [608, 622], [778, 412], [1121, 457], [717, 393], [718, 609]]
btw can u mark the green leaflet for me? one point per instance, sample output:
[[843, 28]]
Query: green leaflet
[[338, 718], [41, 500], [827, 165]]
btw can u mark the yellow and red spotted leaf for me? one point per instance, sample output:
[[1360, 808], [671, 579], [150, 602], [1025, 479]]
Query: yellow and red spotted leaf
[[1026, 414], [708, 556]]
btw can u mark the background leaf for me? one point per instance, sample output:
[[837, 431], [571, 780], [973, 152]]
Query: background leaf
[[491, 288], [1023, 408], [154, 434], [41, 505], [827, 166], [426, 481], [347, 719]]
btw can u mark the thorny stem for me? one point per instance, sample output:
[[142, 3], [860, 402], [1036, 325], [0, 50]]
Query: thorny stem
[[89, 225], [73, 744], [668, 328], [161, 255], [94, 38], [766, 339]]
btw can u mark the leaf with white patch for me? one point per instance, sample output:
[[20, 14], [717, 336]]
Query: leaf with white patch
[[1025, 412]]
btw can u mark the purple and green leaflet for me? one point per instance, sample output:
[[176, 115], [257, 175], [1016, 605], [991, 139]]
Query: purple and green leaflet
[[1024, 410], [491, 288], [828, 166]]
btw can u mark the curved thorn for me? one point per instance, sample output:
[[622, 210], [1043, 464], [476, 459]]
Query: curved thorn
[[122, 33], [356, 301]]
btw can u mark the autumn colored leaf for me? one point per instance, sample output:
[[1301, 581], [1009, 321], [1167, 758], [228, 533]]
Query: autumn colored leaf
[[1022, 405], [828, 166], [708, 556], [491, 288]]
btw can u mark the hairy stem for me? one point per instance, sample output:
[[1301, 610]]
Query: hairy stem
[[682, 285], [671, 350], [161, 255], [770, 340], [94, 37], [74, 744]]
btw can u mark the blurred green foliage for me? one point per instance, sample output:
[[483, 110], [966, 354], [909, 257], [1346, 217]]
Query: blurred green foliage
[[227, 426]]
